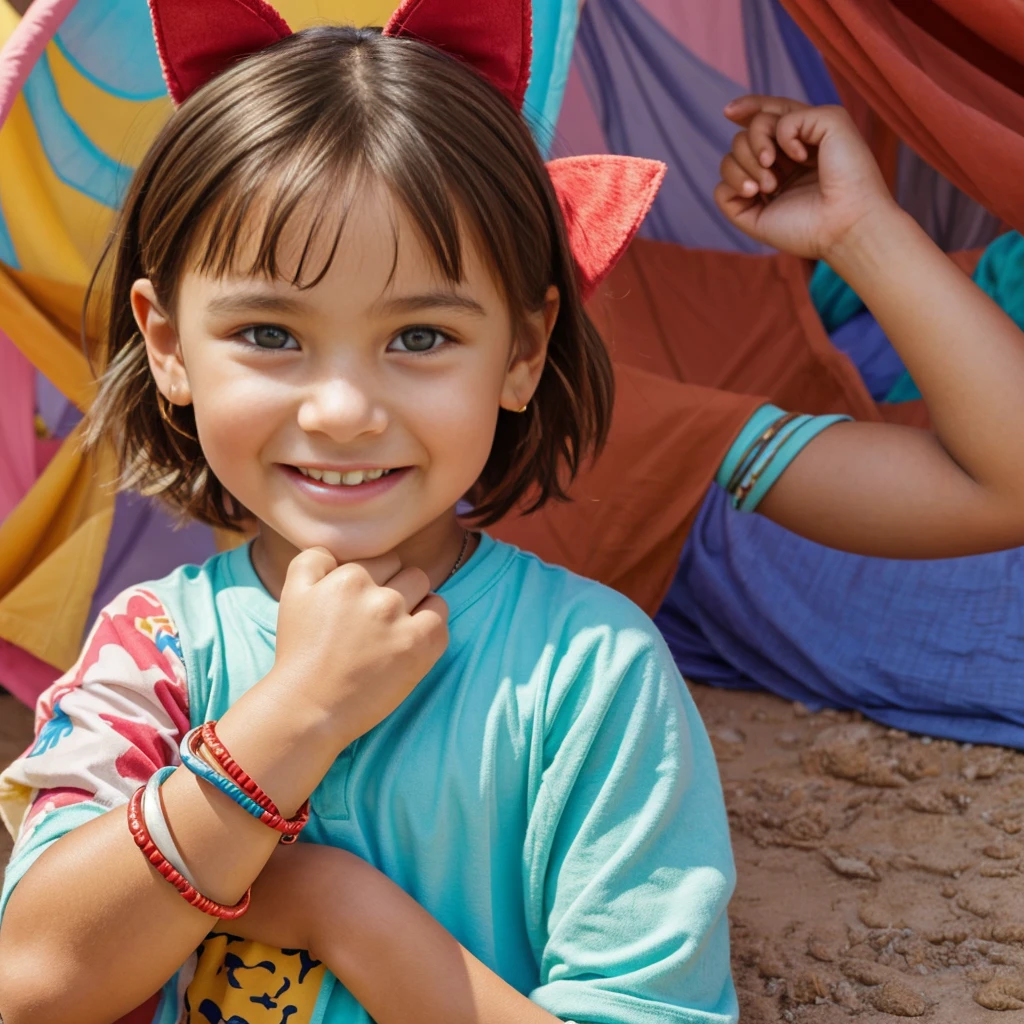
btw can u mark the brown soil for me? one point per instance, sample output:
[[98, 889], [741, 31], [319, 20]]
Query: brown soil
[[880, 875]]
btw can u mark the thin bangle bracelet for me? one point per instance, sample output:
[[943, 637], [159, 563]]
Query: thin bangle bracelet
[[156, 822]]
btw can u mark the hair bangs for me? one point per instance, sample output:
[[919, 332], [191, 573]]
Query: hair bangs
[[284, 219]]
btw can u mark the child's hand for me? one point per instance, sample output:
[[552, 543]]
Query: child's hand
[[798, 178], [353, 641]]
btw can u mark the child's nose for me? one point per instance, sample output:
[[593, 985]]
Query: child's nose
[[341, 409]]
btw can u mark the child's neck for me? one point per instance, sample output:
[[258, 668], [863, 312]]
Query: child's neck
[[436, 549]]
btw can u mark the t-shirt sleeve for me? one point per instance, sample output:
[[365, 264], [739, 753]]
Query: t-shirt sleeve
[[101, 730], [628, 864]]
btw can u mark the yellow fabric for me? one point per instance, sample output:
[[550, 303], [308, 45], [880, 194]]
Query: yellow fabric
[[249, 981], [46, 347], [51, 553]]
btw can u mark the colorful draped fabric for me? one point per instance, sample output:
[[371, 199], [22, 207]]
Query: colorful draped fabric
[[700, 336], [81, 96]]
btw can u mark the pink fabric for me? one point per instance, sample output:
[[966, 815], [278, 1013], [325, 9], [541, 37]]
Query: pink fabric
[[23, 675], [712, 31], [18, 457], [578, 130], [26, 45]]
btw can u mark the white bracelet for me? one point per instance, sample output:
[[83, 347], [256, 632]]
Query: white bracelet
[[156, 823]]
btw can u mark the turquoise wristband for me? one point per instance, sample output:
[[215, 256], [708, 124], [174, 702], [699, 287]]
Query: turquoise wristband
[[789, 447], [198, 766]]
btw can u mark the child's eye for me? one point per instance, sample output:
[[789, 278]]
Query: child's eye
[[418, 339], [268, 336]]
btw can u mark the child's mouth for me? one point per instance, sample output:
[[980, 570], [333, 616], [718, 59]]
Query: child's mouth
[[335, 486], [352, 478]]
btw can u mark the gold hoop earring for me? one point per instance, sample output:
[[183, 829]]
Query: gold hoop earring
[[524, 408], [160, 400]]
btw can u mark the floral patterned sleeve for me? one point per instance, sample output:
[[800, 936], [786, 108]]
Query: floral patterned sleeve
[[101, 730]]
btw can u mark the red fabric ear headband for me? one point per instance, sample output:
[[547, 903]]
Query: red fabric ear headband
[[604, 199]]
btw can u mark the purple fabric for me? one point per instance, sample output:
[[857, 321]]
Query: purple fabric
[[772, 71], [655, 99], [818, 87], [932, 647], [143, 546], [953, 219], [864, 342]]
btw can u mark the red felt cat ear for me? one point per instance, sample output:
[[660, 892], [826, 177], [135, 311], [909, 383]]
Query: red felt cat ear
[[198, 39], [493, 36], [604, 200]]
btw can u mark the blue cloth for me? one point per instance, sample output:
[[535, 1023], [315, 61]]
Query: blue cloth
[[932, 647]]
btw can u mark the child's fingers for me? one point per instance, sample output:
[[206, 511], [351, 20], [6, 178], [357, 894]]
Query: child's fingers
[[732, 203], [801, 130], [738, 178], [310, 566], [741, 110], [751, 159], [762, 137]]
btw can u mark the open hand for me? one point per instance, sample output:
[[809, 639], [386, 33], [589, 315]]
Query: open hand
[[798, 178]]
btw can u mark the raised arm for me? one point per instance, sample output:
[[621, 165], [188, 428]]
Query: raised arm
[[876, 488]]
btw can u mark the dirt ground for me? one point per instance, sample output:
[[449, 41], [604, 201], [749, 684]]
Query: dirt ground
[[880, 875]]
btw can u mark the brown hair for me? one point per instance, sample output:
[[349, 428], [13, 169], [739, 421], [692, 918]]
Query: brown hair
[[296, 124]]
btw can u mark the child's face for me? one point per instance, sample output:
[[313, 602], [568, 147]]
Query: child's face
[[355, 376]]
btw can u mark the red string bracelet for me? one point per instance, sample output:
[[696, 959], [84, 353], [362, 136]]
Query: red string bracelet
[[291, 827], [191, 895]]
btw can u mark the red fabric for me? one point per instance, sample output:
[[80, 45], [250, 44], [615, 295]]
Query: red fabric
[[943, 92], [604, 200], [198, 39], [494, 37], [699, 340]]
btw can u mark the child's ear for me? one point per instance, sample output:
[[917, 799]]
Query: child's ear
[[531, 354], [162, 345]]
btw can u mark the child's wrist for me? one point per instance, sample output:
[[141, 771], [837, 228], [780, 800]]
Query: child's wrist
[[868, 236]]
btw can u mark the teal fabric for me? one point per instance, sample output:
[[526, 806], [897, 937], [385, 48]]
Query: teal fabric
[[777, 455], [835, 301], [547, 792], [1000, 273], [554, 35]]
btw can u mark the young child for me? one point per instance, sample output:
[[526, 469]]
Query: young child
[[344, 297]]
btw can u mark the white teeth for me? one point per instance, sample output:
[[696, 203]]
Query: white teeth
[[333, 478]]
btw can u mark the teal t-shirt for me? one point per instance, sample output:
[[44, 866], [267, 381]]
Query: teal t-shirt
[[548, 792]]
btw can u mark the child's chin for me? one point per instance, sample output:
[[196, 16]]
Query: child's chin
[[349, 547]]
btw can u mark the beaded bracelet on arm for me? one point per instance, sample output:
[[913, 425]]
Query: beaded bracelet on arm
[[188, 892], [252, 800]]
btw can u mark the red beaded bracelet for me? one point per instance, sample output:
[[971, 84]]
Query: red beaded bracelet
[[144, 841], [291, 827]]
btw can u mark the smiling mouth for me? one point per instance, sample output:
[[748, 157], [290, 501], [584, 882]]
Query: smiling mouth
[[353, 478]]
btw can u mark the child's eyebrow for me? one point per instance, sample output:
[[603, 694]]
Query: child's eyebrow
[[245, 302], [433, 300]]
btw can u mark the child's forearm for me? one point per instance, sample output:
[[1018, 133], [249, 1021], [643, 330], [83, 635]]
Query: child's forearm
[[109, 930], [963, 351], [383, 946]]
